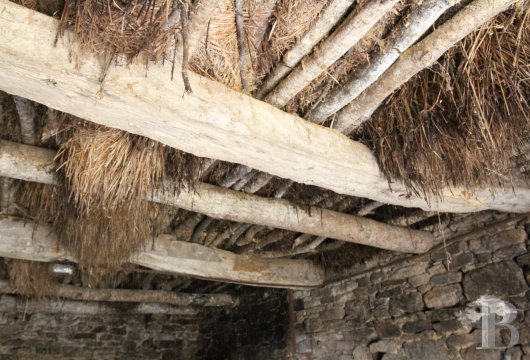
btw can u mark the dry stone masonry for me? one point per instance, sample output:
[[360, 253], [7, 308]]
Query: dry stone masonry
[[421, 308]]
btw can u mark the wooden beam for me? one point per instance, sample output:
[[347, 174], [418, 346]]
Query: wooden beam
[[213, 122], [418, 57], [347, 35], [323, 25], [133, 296], [23, 240], [222, 203], [409, 29], [14, 304]]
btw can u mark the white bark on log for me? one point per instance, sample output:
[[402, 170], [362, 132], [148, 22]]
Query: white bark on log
[[353, 29], [27, 116], [13, 304], [222, 203], [213, 122], [133, 296], [417, 58], [24, 240], [201, 15], [421, 17], [325, 22]]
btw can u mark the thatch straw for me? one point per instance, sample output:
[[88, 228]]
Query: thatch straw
[[100, 212], [120, 30], [218, 56], [31, 279], [9, 123], [462, 121]]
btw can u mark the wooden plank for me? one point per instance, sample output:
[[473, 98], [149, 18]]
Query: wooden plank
[[133, 296], [213, 122], [222, 203], [23, 240]]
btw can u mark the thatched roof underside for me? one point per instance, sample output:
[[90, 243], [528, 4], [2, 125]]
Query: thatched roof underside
[[462, 122]]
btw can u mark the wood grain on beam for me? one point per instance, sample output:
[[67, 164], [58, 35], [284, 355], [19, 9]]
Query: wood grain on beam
[[23, 240], [16, 161], [213, 122]]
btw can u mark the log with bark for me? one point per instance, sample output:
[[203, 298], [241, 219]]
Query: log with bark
[[325, 22], [421, 17], [217, 202], [353, 29], [417, 58]]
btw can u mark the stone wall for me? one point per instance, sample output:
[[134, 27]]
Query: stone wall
[[115, 335], [421, 307]]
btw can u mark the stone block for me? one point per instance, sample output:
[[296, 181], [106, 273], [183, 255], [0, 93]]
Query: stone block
[[386, 346], [408, 271], [426, 349], [386, 329], [361, 353], [505, 239], [414, 327], [443, 296], [461, 260], [524, 260], [510, 252], [502, 279], [446, 278], [406, 303]]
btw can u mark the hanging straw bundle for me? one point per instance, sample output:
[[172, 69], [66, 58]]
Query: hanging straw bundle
[[31, 279]]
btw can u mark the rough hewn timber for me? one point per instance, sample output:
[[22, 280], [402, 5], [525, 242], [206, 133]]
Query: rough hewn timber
[[222, 203], [213, 122], [134, 296], [20, 239]]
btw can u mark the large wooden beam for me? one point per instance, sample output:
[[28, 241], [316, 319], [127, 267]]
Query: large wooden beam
[[34, 164], [133, 296], [23, 240], [213, 122]]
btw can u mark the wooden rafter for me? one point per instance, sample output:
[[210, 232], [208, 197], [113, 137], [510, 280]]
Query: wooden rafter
[[134, 296], [23, 240], [36, 164], [418, 57], [212, 122]]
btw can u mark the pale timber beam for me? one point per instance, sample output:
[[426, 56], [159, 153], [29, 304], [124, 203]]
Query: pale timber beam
[[418, 57], [322, 26], [353, 29], [133, 296], [213, 122], [35, 164], [23, 240], [420, 18]]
